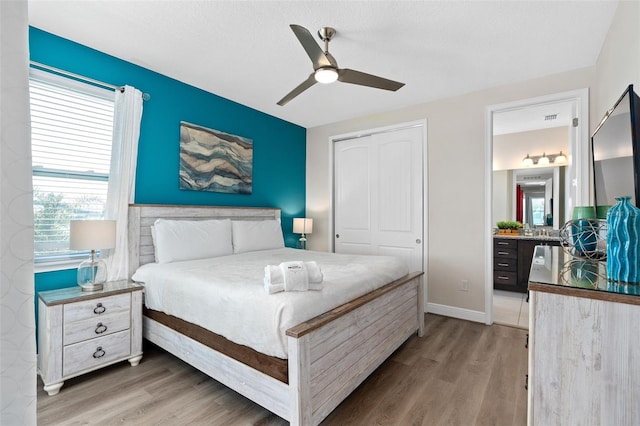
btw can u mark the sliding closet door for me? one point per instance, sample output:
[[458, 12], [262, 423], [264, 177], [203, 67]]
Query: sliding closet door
[[378, 201]]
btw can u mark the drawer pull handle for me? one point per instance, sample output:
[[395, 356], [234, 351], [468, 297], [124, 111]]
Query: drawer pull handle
[[503, 253], [503, 264], [502, 277], [99, 309], [100, 328], [501, 243], [99, 353]]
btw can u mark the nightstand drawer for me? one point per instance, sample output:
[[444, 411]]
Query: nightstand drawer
[[96, 327], [95, 308], [86, 355]]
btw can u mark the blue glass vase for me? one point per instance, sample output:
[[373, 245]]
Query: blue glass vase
[[623, 242]]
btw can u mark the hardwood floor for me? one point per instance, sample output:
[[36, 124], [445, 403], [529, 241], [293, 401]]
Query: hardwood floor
[[459, 373]]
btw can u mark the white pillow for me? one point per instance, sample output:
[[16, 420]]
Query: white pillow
[[177, 240], [153, 239], [252, 235]]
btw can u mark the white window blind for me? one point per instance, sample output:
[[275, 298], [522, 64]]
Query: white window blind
[[71, 136]]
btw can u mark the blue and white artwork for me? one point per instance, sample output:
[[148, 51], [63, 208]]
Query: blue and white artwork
[[215, 161]]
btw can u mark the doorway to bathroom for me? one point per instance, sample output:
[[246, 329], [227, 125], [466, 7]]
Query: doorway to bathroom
[[526, 137]]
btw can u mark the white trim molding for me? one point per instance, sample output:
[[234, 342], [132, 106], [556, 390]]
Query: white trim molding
[[454, 312]]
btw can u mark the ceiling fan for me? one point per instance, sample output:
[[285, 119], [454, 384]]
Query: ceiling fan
[[325, 67]]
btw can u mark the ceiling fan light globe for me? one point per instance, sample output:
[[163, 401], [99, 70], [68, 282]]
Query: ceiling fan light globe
[[326, 75]]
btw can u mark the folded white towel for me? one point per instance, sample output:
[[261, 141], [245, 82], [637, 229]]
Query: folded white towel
[[295, 276], [274, 281]]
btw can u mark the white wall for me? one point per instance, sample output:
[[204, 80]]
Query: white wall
[[618, 64], [17, 341], [511, 148], [503, 194], [455, 170]]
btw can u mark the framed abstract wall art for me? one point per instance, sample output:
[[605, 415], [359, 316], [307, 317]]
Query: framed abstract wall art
[[211, 160]]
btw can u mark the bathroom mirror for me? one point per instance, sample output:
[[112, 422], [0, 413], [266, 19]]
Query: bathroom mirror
[[532, 196]]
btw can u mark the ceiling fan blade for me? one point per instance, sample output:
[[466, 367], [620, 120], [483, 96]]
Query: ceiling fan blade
[[314, 51], [301, 88], [356, 77]]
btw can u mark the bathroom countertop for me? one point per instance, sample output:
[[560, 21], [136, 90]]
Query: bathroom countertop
[[528, 237]]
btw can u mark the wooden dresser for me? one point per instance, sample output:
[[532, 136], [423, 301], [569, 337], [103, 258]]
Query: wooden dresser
[[584, 350], [81, 331]]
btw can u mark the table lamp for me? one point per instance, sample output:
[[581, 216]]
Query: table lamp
[[303, 226], [92, 235]]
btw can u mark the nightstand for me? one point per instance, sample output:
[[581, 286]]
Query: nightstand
[[81, 331]]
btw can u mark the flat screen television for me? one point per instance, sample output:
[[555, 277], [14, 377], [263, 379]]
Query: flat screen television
[[615, 152]]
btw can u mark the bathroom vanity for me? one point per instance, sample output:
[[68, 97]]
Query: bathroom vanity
[[512, 260]]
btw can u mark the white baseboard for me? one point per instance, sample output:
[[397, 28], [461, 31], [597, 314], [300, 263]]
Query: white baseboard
[[451, 311]]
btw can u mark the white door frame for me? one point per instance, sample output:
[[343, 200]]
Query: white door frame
[[579, 160]]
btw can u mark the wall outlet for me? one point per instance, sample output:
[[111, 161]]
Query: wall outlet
[[464, 285]]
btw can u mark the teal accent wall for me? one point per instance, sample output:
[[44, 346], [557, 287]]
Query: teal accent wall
[[279, 147]]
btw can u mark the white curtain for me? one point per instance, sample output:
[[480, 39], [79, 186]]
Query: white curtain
[[122, 176], [17, 337]]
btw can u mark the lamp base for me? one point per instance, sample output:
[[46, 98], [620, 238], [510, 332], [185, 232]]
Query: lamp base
[[91, 287], [92, 273]]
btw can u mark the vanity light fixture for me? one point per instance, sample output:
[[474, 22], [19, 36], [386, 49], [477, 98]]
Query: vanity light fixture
[[544, 159], [561, 158], [527, 161]]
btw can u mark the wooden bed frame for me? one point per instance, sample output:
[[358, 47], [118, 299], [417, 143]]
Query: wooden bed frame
[[329, 355]]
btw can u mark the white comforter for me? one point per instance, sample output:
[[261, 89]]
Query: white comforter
[[226, 294]]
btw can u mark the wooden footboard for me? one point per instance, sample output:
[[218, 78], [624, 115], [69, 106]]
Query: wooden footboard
[[329, 356], [332, 354]]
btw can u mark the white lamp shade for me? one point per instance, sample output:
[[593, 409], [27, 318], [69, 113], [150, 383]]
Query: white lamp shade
[[92, 234], [302, 225]]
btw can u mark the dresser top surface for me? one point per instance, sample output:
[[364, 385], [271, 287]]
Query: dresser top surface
[[555, 270], [75, 293]]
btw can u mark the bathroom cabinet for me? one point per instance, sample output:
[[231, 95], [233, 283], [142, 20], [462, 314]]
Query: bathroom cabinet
[[512, 260]]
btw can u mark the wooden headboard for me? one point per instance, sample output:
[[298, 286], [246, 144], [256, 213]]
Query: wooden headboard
[[142, 216]]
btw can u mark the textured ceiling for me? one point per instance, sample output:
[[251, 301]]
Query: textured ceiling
[[246, 52]]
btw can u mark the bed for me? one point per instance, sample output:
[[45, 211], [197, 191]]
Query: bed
[[327, 356]]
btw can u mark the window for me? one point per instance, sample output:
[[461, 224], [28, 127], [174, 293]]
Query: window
[[71, 136]]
